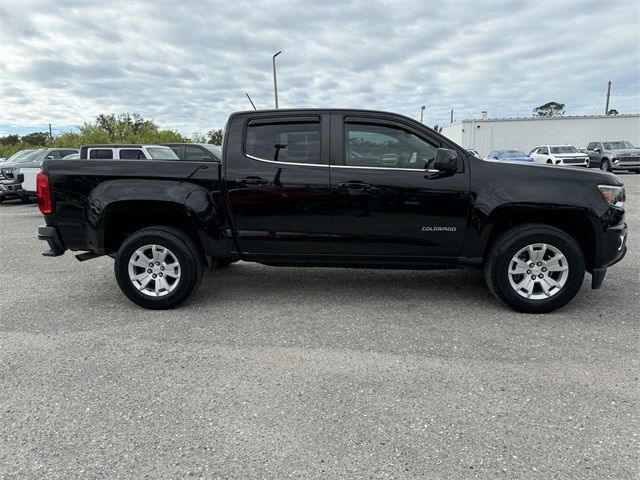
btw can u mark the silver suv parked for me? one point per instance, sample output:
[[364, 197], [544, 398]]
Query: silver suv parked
[[618, 155]]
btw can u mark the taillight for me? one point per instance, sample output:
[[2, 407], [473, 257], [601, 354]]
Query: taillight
[[43, 191]]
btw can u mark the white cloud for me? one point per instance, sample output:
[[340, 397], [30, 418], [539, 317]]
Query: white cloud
[[188, 65]]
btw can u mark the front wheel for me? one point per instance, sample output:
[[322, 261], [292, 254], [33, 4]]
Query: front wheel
[[158, 267], [535, 268], [605, 165]]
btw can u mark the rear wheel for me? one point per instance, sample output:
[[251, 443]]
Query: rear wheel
[[605, 165], [535, 268], [158, 267]]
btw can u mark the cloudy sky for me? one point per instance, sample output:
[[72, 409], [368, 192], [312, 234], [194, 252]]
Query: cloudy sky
[[187, 65]]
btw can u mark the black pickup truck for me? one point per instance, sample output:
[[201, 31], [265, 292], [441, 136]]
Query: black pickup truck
[[339, 188]]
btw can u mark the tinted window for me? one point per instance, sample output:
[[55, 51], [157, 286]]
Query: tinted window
[[100, 153], [382, 146], [194, 153], [132, 154], [591, 146], [284, 142], [54, 154], [162, 153], [543, 150]]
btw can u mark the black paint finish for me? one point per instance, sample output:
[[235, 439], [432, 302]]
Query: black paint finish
[[327, 213]]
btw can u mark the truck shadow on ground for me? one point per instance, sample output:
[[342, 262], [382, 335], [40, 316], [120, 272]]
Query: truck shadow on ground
[[243, 280]]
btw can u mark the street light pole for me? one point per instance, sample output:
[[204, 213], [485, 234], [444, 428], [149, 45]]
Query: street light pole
[[275, 79], [422, 113]]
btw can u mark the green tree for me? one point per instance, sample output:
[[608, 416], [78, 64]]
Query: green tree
[[35, 139], [215, 136], [198, 137], [9, 140], [549, 109]]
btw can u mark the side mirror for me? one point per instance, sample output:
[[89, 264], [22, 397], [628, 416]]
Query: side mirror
[[597, 149], [446, 160]]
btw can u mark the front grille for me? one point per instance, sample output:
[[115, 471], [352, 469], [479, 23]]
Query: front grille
[[573, 160]]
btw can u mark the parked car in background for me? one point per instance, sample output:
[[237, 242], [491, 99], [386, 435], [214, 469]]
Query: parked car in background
[[509, 156], [20, 174], [473, 152], [196, 151], [618, 155], [127, 152], [565, 155], [14, 159]]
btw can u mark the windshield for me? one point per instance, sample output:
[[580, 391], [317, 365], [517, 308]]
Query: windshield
[[32, 156], [617, 145], [215, 149], [162, 153], [18, 155], [564, 149], [513, 153]]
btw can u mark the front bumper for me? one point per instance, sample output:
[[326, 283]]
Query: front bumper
[[625, 164], [51, 236], [613, 249], [9, 190]]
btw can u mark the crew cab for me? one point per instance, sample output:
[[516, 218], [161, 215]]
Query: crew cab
[[563, 155], [617, 155], [337, 188]]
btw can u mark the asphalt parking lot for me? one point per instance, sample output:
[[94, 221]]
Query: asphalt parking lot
[[312, 373]]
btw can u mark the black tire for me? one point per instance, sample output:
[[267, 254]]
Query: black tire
[[181, 246], [605, 165], [507, 245]]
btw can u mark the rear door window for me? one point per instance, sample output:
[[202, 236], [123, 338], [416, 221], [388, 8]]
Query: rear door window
[[284, 142]]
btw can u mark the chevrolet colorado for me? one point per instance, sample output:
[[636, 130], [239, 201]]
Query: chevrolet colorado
[[341, 188]]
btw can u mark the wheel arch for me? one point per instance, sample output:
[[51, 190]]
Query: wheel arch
[[570, 221]]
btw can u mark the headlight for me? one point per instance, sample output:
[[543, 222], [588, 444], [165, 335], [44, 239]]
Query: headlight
[[614, 195]]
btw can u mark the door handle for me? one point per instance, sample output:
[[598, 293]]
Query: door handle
[[354, 185]]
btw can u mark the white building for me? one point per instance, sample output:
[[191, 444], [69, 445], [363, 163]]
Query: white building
[[526, 133]]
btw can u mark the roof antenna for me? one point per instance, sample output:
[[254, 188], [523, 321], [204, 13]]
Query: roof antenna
[[254, 107]]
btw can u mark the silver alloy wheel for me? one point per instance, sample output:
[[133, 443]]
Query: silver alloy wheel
[[538, 271], [154, 270]]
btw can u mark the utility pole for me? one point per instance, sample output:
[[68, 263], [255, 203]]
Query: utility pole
[[422, 113], [451, 121], [606, 109], [275, 80], [50, 136]]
